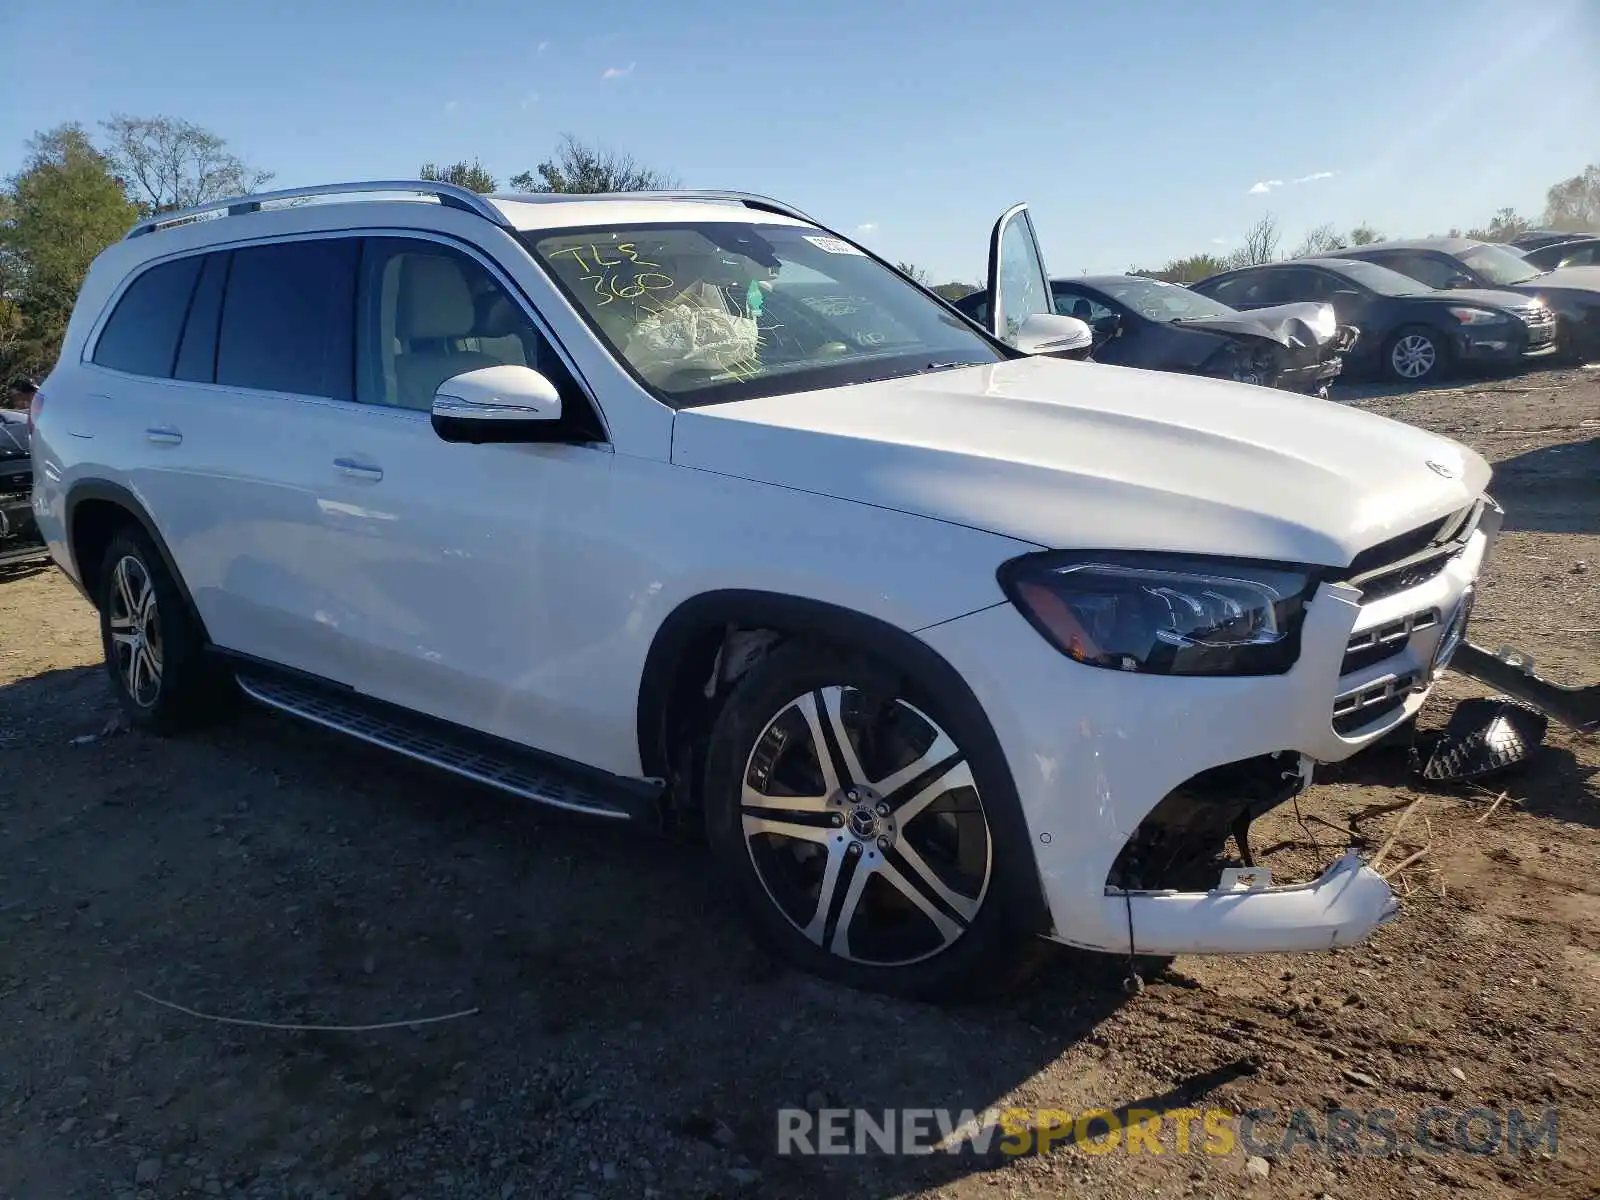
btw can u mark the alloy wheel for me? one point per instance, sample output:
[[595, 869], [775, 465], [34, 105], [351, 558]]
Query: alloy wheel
[[1413, 356], [135, 629], [865, 826]]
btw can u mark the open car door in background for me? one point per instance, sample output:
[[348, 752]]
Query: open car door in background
[[1019, 286]]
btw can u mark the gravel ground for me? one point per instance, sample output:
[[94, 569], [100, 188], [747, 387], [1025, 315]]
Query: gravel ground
[[611, 1034]]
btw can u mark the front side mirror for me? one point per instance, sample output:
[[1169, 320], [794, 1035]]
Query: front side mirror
[[1051, 333], [1109, 325], [507, 403]]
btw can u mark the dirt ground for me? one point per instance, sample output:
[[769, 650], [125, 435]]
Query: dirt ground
[[622, 1040]]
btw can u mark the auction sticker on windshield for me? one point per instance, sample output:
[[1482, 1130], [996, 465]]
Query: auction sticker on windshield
[[833, 245]]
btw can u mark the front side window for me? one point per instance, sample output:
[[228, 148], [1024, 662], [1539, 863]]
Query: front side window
[[288, 318], [1255, 289], [1382, 279], [429, 312], [1075, 304], [141, 337], [707, 312], [1438, 273]]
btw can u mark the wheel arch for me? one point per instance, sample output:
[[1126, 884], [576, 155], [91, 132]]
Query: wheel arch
[[680, 657], [94, 510]]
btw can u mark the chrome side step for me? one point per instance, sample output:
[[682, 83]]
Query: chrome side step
[[471, 755]]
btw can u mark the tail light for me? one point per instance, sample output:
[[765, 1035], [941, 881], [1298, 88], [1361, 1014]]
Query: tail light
[[35, 407]]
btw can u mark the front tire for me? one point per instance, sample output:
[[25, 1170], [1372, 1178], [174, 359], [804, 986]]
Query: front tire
[[1415, 355], [842, 805], [154, 646]]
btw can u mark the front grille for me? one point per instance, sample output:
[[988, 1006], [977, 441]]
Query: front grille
[[1391, 567], [1541, 323], [1372, 646], [1360, 707], [1412, 558]]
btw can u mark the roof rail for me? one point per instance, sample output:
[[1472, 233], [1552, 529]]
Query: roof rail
[[748, 199], [447, 194]]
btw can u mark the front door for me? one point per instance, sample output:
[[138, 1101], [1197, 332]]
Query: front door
[[469, 559], [1019, 285]]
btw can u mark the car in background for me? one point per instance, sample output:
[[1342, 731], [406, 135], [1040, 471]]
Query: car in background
[[18, 530], [1532, 239], [1409, 332], [1578, 252], [1142, 322], [1572, 293]]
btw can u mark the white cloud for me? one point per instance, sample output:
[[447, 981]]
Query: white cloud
[[618, 72], [530, 100], [451, 106], [1219, 241], [543, 46], [867, 227], [1264, 186]]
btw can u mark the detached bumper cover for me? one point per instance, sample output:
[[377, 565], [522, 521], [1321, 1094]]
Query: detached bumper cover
[[1341, 908]]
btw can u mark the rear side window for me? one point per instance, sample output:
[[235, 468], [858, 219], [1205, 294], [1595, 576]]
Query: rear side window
[[141, 337], [288, 319], [197, 351]]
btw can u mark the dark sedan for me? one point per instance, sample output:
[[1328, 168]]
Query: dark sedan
[[1409, 332], [1140, 322], [1577, 252], [1573, 293]]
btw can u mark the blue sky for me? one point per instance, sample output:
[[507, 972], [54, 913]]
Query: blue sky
[[1136, 131]]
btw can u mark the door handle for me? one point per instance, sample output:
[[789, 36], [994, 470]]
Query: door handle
[[355, 470], [164, 436]]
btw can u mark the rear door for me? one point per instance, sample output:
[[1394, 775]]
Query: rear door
[[1019, 285], [262, 375]]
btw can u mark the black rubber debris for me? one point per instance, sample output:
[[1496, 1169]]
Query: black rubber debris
[[1484, 736]]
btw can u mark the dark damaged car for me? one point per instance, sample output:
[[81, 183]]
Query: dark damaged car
[[1141, 322], [1572, 293]]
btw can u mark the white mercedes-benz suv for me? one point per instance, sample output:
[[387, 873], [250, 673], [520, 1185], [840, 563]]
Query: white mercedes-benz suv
[[684, 508]]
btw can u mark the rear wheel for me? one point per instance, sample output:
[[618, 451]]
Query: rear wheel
[[154, 647], [846, 811], [1416, 354]]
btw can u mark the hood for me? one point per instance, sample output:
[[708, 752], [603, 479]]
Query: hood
[[1566, 280], [1484, 297], [1079, 455], [1309, 322]]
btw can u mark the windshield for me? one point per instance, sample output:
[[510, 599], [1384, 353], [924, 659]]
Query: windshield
[[1163, 301], [1381, 279], [708, 312], [1498, 266]]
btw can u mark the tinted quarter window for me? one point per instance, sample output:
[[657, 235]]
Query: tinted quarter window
[[142, 335], [288, 318], [197, 351]]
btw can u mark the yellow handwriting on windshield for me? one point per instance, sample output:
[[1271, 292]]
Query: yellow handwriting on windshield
[[618, 276]]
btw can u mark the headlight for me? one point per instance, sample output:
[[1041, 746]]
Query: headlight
[[1325, 324], [1476, 316], [1163, 614]]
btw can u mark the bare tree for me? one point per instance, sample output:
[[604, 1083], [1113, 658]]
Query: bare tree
[[166, 163], [577, 167], [915, 272], [1364, 235], [1320, 240], [1260, 244]]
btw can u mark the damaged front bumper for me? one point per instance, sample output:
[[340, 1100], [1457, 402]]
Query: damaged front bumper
[[1246, 914]]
